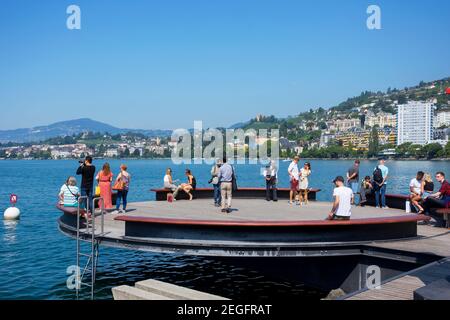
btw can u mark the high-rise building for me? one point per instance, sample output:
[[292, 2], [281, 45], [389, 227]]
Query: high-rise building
[[415, 122]]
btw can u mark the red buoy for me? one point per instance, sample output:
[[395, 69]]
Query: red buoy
[[13, 199], [447, 91]]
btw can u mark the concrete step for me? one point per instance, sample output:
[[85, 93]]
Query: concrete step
[[132, 293], [174, 292]]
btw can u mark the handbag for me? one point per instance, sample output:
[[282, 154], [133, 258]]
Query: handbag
[[233, 180], [119, 185], [97, 191]]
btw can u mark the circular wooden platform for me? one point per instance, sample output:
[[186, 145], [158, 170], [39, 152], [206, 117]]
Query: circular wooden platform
[[197, 227]]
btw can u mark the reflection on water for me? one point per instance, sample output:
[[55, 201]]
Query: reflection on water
[[208, 275], [9, 231]]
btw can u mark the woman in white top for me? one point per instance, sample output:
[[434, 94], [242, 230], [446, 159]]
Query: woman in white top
[[305, 172], [168, 181]]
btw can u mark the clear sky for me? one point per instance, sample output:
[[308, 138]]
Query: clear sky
[[165, 63]]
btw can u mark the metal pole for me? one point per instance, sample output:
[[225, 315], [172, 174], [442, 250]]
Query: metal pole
[[77, 279]]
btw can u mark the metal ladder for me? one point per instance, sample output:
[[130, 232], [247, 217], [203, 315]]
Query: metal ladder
[[90, 235]]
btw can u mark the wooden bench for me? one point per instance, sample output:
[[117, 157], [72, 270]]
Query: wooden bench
[[299, 223], [394, 201], [241, 193], [200, 232]]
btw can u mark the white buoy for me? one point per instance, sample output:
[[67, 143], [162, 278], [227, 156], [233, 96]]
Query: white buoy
[[11, 213]]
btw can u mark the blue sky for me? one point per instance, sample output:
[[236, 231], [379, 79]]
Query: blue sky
[[164, 64]]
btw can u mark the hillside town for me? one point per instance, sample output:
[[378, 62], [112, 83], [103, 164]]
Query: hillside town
[[409, 123]]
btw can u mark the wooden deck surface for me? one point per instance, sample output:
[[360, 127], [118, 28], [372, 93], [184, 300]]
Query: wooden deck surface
[[403, 287], [248, 210]]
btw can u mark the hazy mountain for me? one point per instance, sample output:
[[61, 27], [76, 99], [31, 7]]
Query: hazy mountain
[[68, 128]]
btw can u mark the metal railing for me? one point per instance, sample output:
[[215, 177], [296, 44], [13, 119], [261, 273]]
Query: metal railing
[[89, 234]]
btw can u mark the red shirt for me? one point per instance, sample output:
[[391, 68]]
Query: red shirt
[[445, 189]]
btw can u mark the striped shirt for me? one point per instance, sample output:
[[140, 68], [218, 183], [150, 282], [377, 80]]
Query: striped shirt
[[69, 193]]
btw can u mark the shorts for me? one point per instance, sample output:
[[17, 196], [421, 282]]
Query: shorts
[[294, 185], [340, 218]]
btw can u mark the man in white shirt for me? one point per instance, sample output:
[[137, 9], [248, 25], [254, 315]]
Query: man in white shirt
[[294, 178], [343, 199]]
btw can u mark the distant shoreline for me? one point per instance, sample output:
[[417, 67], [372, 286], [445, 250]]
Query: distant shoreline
[[281, 160]]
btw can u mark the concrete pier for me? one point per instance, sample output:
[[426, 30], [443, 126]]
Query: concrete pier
[[157, 290]]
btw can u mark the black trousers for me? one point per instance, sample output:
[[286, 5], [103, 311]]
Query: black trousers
[[434, 203], [271, 188]]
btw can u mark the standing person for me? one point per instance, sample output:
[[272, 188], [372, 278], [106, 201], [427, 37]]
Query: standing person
[[168, 181], [104, 179], [216, 183], [440, 199], [366, 189], [294, 178], [353, 178], [87, 172], [415, 189], [226, 174], [122, 186], [343, 199], [380, 176], [271, 177], [305, 172]]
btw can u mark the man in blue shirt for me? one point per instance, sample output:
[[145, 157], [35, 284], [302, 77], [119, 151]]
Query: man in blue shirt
[[380, 176], [226, 185]]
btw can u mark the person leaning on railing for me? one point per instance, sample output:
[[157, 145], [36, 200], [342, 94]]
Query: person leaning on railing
[[69, 193]]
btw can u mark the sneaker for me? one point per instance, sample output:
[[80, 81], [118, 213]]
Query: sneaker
[[385, 208]]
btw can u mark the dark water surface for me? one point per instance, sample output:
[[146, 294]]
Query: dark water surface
[[34, 256]]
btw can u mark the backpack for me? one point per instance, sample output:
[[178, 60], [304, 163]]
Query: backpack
[[378, 175]]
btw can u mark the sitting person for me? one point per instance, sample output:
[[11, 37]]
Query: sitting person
[[168, 181], [440, 199], [415, 188], [343, 199], [427, 186], [366, 189], [69, 193], [187, 187]]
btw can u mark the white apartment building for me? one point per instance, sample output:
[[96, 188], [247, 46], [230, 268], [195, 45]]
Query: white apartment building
[[442, 119], [415, 122]]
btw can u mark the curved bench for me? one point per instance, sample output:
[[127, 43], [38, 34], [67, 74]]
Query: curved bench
[[394, 201], [241, 193], [316, 231]]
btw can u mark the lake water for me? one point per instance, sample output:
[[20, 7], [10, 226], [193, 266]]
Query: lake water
[[34, 255]]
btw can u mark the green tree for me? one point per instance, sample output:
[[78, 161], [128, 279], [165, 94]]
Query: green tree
[[374, 145], [447, 149], [431, 151]]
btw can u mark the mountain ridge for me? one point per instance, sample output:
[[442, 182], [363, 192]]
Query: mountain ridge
[[68, 128]]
